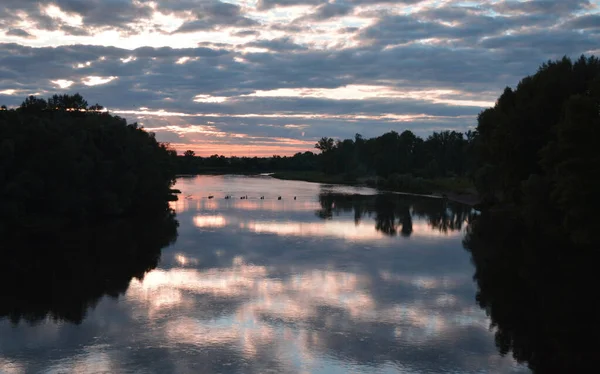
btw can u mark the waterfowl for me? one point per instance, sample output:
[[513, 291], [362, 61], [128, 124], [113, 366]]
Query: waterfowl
[[210, 197], [279, 198]]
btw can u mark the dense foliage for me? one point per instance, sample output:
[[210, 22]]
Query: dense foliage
[[441, 154], [538, 168], [536, 148], [63, 163]]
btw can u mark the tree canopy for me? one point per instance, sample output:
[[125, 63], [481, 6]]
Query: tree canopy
[[536, 148], [538, 168], [63, 163]]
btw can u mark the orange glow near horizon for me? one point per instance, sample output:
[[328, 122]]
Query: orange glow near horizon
[[241, 150]]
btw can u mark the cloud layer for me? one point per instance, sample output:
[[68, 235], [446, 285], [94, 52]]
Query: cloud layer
[[256, 77]]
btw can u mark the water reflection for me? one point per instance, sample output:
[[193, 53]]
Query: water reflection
[[271, 287], [394, 212], [62, 275], [539, 291], [375, 217]]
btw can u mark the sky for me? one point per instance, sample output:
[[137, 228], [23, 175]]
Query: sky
[[265, 77]]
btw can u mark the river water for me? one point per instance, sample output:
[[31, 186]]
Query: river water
[[338, 280]]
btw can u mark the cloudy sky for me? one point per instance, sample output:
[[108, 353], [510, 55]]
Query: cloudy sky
[[263, 77]]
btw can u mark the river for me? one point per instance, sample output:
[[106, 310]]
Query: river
[[327, 279]]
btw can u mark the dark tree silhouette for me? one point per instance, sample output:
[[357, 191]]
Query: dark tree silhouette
[[64, 166], [392, 161], [512, 136]]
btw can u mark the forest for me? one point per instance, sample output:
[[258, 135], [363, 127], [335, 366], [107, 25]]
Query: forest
[[64, 164], [538, 173], [79, 187]]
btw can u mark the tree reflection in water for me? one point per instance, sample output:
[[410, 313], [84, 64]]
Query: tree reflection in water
[[61, 275], [539, 291], [395, 212]]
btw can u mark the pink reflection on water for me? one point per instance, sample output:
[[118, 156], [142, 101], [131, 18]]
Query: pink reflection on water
[[210, 221]]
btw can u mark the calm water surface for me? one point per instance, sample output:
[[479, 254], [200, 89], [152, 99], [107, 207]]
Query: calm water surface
[[329, 283]]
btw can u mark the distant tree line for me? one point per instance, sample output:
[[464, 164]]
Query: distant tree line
[[395, 161], [440, 154], [189, 163], [447, 153], [64, 163]]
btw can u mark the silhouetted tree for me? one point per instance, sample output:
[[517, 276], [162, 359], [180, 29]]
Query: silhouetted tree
[[64, 168], [512, 134]]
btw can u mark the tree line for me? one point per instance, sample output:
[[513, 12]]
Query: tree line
[[189, 163], [395, 161], [64, 163], [536, 149], [79, 188], [538, 173], [441, 154]]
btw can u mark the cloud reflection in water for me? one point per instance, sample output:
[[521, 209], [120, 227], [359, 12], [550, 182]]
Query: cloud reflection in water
[[330, 283]]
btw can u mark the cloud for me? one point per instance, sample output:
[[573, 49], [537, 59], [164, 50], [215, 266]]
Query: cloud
[[268, 4], [19, 32], [541, 6], [328, 10], [213, 14], [587, 22], [278, 45], [335, 67]]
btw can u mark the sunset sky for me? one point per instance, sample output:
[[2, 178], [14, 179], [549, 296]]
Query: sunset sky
[[264, 77]]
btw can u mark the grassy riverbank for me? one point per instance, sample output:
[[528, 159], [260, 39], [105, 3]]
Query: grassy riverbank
[[457, 189]]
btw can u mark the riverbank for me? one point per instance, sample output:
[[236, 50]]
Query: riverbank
[[456, 189]]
